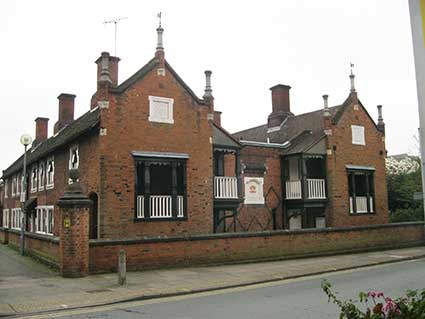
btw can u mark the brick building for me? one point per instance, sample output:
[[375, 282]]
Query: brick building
[[146, 151], [322, 168], [155, 161]]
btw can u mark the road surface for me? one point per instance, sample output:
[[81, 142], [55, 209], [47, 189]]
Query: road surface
[[299, 298]]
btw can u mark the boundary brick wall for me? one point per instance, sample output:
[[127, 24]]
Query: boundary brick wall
[[42, 247], [235, 247]]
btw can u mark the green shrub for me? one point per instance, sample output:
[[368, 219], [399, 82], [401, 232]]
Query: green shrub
[[379, 306], [407, 215]]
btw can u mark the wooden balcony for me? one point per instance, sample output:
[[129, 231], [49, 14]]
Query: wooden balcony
[[225, 187]]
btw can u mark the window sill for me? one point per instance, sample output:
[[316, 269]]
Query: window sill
[[170, 219], [362, 214]]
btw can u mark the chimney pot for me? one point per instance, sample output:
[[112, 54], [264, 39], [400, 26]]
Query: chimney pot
[[326, 106], [381, 124], [208, 89], [112, 67]]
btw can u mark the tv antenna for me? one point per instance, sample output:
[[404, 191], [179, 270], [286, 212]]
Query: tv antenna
[[115, 22]]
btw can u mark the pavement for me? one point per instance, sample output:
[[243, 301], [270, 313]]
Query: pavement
[[29, 287]]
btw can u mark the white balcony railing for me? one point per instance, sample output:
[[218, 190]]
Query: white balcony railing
[[293, 190], [225, 187], [160, 206], [361, 204], [316, 188]]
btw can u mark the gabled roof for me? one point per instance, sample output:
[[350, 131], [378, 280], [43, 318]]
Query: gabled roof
[[302, 131], [65, 136], [90, 119], [151, 65], [222, 138]]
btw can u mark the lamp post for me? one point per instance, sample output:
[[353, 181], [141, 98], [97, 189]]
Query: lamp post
[[25, 141]]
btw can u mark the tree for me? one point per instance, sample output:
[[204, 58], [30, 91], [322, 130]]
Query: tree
[[403, 180]]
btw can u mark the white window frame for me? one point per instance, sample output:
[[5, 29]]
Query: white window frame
[[358, 135], [153, 115], [16, 219], [71, 151], [41, 176], [44, 220], [18, 184], [13, 185], [34, 182], [6, 218], [50, 178]]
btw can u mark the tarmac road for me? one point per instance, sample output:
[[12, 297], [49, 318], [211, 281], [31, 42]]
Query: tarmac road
[[297, 298]]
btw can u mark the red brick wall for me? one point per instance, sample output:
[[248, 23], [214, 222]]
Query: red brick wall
[[43, 247], [128, 129], [195, 250], [258, 217], [73, 245], [372, 154]]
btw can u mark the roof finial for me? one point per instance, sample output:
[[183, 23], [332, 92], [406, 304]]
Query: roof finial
[[159, 17], [352, 89]]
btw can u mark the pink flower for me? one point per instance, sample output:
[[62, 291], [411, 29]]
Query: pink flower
[[390, 307], [375, 294]]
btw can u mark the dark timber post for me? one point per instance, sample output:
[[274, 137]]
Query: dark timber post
[[353, 185], [174, 189], [74, 210], [238, 172], [367, 193], [147, 194]]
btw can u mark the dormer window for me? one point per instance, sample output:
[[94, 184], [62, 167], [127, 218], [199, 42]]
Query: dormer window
[[34, 179], [18, 184], [23, 190], [161, 109], [41, 176], [74, 158], [13, 185], [50, 173]]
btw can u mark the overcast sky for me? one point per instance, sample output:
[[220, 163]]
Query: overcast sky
[[49, 47]]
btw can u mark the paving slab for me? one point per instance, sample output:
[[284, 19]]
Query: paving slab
[[31, 287]]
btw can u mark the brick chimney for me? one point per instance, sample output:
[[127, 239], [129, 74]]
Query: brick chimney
[[66, 111], [112, 67], [217, 118], [41, 130], [280, 105]]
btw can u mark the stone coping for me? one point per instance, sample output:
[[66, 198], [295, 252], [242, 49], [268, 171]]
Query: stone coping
[[43, 237], [130, 241]]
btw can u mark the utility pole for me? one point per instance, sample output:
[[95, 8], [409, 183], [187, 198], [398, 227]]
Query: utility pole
[[25, 140], [115, 22], [417, 21]]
